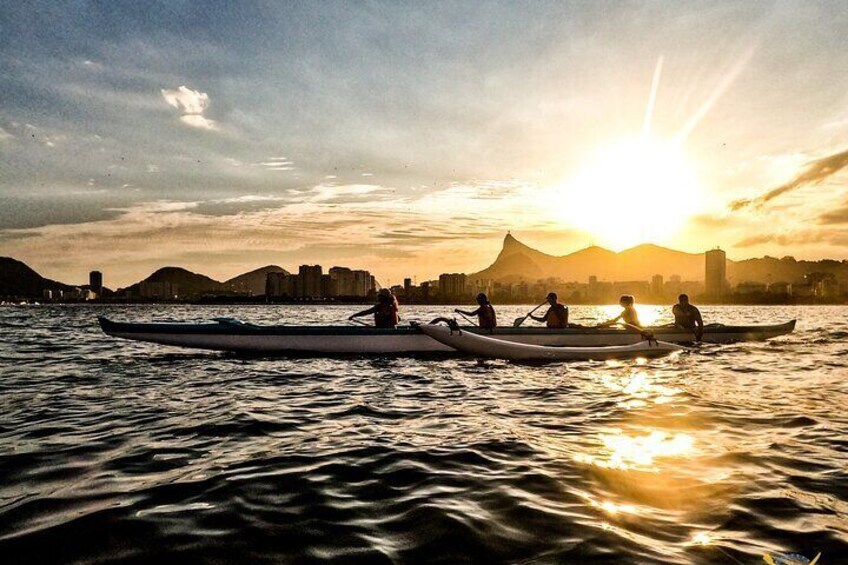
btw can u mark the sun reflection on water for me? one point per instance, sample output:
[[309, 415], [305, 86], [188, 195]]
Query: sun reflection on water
[[641, 388], [639, 452]]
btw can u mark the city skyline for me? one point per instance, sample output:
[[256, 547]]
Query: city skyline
[[391, 137], [518, 274]]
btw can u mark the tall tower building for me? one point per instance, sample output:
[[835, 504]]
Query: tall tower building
[[657, 287], [95, 282], [309, 281], [716, 272]]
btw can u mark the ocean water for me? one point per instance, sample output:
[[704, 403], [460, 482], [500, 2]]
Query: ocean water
[[112, 450]]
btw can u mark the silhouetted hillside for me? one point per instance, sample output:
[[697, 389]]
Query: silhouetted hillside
[[188, 283], [252, 282], [518, 261], [19, 280]]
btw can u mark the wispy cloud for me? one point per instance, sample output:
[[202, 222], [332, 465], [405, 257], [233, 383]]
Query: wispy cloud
[[4, 135], [191, 104], [838, 216], [276, 164], [816, 172]]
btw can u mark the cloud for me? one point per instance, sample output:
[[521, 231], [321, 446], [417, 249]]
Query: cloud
[[816, 172], [198, 121], [838, 216], [276, 164], [427, 233], [191, 104], [4, 135]]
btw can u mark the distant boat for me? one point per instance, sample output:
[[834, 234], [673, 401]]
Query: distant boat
[[226, 334]]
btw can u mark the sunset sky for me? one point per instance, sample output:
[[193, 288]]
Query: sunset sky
[[407, 138]]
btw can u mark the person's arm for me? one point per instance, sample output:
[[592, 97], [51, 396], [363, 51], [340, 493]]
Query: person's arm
[[609, 323], [699, 333], [474, 313], [363, 313], [541, 318]]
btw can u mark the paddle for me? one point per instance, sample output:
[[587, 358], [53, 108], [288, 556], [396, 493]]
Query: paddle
[[467, 319], [520, 320], [360, 322]]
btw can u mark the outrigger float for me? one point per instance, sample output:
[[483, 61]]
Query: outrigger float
[[227, 334], [480, 345]]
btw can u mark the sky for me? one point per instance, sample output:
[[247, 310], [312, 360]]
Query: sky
[[408, 138]]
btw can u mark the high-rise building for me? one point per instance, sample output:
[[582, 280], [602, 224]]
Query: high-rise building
[[657, 285], [95, 282], [363, 283], [309, 281], [452, 285], [344, 282], [280, 285], [715, 279]]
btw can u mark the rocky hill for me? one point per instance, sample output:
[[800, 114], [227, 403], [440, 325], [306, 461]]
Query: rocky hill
[[252, 283], [18, 280]]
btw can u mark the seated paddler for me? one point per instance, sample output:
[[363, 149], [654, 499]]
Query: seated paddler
[[687, 316], [628, 313], [557, 315], [485, 312], [385, 311]]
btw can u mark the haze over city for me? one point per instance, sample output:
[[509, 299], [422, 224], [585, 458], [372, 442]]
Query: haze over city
[[406, 140]]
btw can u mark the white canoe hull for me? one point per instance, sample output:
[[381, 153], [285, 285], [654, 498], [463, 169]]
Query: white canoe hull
[[486, 346]]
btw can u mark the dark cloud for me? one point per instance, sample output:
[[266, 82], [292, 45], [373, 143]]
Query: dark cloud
[[816, 172], [42, 210]]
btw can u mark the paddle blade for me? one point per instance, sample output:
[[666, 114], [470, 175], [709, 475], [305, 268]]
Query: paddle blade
[[519, 321]]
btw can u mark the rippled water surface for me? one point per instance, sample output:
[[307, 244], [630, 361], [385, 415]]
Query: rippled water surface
[[114, 450]]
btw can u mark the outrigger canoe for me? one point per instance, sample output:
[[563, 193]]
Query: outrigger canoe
[[226, 334], [486, 346]]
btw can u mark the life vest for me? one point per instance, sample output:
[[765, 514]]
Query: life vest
[[486, 317], [557, 317], [386, 316]]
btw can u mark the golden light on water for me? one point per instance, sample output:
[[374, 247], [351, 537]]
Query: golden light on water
[[702, 538], [641, 388], [636, 190], [609, 507], [640, 452]]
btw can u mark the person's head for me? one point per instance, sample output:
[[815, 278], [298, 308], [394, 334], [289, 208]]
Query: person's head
[[385, 296], [551, 298], [482, 299], [626, 300], [683, 299]]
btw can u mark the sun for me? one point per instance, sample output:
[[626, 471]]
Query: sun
[[634, 191]]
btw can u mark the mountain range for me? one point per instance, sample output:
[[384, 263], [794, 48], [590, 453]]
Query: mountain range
[[515, 262], [519, 262], [19, 280], [189, 283]]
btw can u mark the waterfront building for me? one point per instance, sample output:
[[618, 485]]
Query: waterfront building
[[750, 287], [452, 285], [309, 281], [715, 272], [158, 290], [95, 282], [657, 287], [344, 282]]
